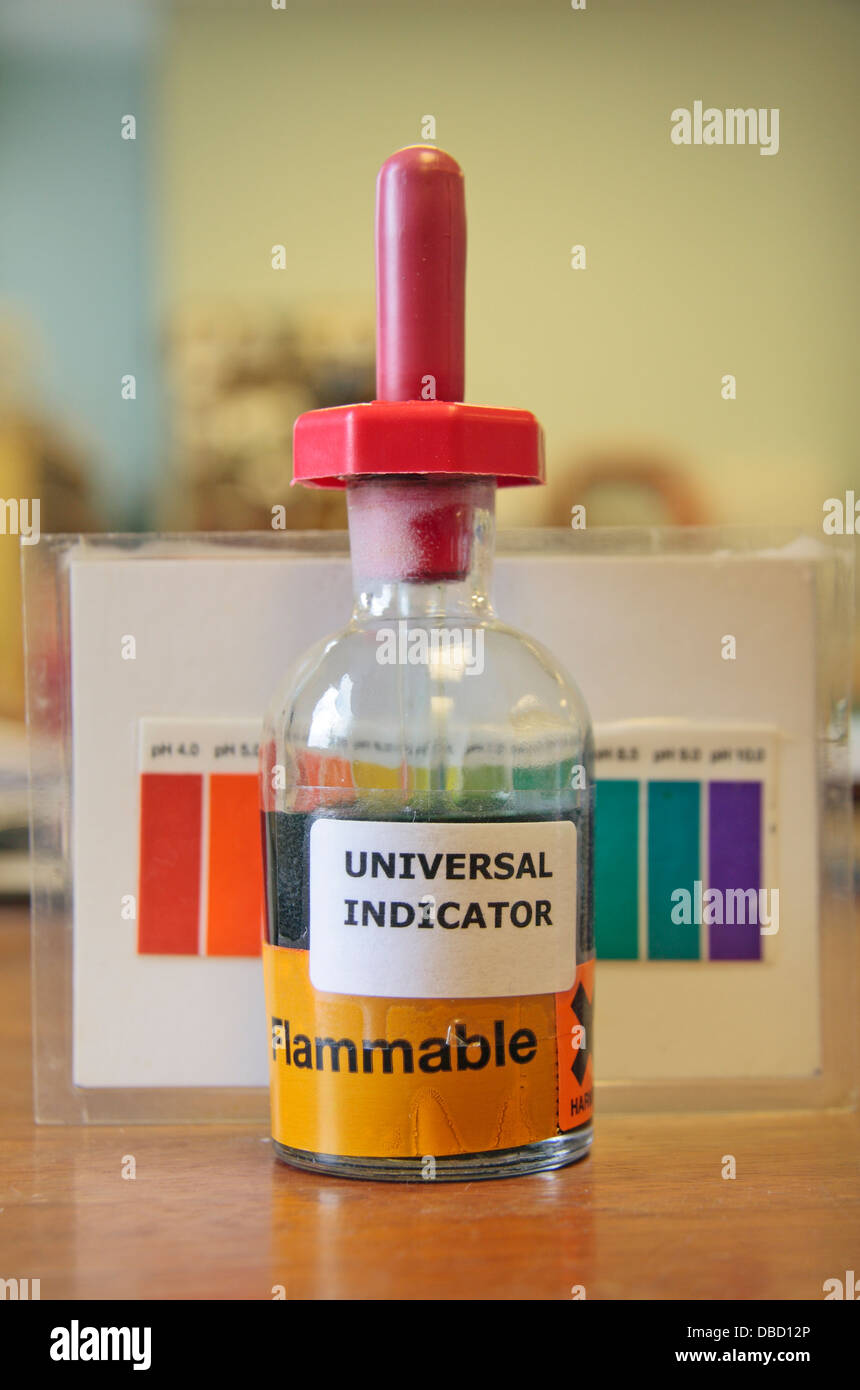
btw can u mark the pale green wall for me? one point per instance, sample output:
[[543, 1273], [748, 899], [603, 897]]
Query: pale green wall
[[701, 260]]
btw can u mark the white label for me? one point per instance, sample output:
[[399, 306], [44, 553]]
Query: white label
[[427, 910]]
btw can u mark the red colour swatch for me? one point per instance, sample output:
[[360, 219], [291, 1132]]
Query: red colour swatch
[[171, 806]]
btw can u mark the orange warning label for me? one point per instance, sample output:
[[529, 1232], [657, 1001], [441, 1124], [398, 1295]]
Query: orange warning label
[[403, 1078], [575, 1066]]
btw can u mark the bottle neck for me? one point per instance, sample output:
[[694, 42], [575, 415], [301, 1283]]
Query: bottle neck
[[422, 547]]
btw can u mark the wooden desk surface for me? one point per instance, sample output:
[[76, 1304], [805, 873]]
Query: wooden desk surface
[[212, 1215]]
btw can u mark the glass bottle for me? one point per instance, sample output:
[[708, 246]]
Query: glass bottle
[[427, 821]]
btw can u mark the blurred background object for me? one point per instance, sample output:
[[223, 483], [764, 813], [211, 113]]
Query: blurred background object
[[14, 805], [186, 255], [238, 382], [647, 488], [36, 461]]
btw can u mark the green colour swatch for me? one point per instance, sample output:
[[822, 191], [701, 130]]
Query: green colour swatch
[[616, 870], [673, 863]]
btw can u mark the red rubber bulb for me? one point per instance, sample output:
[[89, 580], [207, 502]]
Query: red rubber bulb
[[420, 276]]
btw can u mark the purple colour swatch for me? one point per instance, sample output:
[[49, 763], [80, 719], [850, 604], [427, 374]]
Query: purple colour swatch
[[734, 843]]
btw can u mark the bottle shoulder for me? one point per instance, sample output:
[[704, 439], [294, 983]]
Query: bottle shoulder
[[413, 672]]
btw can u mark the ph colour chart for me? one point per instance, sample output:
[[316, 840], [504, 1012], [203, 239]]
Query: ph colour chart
[[679, 810], [201, 874], [685, 824]]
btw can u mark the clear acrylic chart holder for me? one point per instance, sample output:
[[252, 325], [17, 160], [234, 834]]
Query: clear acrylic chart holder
[[639, 615]]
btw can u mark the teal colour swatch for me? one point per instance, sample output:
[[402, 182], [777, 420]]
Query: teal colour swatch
[[616, 870], [673, 863]]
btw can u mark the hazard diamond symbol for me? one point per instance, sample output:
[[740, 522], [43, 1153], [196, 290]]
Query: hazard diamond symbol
[[574, 1010], [582, 1011]]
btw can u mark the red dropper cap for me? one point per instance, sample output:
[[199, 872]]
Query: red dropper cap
[[420, 276], [418, 425]]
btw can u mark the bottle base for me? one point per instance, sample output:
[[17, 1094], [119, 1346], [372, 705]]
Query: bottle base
[[556, 1152]]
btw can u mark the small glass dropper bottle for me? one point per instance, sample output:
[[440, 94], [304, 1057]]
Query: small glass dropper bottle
[[426, 779]]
